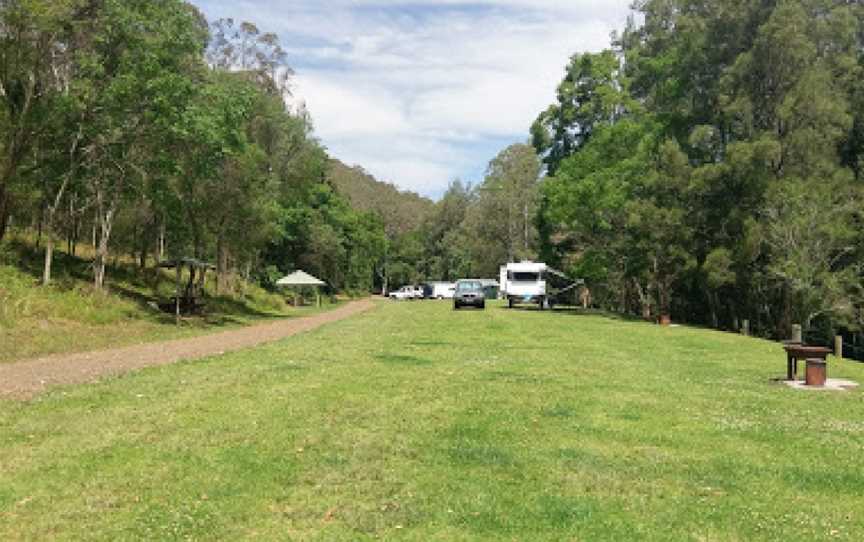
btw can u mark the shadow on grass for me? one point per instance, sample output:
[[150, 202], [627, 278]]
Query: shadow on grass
[[396, 359], [430, 343], [564, 310]]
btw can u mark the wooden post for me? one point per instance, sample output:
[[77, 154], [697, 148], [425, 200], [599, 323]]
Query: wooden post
[[745, 327], [838, 347], [318, 297], [796, 333]]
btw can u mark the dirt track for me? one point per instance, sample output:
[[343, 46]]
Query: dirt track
[[27, 379]]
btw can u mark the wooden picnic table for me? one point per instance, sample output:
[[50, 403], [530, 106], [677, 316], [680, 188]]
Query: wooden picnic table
[[188, 300], [796, 351]]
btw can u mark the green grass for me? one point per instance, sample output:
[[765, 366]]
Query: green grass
[[414, 422], [69, 317]]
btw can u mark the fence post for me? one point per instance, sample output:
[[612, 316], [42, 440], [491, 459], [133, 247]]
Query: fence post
[[745, 327], [838, 346], [796, 333]]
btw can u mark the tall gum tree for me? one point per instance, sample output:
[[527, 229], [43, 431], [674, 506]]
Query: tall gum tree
[[139, 73], [31, 40]]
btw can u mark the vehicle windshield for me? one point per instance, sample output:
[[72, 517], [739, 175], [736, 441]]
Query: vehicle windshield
[[525, 277], [467, 285]]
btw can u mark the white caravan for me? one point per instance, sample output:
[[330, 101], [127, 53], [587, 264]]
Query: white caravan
[[443, 290], [534, 283]]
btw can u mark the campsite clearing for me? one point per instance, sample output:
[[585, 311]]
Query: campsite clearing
[[416, 422]]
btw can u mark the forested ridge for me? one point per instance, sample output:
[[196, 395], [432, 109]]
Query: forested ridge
[[710, 165]]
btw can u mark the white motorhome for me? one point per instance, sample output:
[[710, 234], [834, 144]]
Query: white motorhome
[[533, 283]]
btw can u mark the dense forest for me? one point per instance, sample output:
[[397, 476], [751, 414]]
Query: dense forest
[[710, 165]]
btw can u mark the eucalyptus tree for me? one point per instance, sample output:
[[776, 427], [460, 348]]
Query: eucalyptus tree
[[32, 48], [136, 77], [242, 46], [592, 94], [448, 243], [502, 218]]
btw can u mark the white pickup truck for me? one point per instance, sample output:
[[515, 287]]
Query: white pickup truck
[[407, 292]]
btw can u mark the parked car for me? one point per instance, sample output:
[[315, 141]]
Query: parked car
[[469, 292], [419, 292]]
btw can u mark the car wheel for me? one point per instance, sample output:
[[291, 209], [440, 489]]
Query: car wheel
[[482, 306]]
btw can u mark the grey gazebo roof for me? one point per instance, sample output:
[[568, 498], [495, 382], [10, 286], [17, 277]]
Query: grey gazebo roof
[[300, 278]]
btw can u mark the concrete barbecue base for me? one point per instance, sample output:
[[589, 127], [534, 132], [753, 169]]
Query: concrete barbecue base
[[832, 384]]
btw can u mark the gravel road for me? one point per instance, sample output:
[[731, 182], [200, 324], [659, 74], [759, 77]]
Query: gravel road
[[27, 379]]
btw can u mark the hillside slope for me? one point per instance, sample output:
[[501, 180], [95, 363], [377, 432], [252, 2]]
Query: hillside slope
[[401, 211], [69, 317]]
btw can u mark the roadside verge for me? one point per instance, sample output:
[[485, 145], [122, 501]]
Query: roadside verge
[[27, 379]]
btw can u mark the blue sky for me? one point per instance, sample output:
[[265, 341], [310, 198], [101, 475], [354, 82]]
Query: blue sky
[[419, 92]]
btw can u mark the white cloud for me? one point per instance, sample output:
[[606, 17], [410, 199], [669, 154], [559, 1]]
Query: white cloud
[[419, 92]]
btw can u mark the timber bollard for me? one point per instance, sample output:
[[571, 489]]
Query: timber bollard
[[838, 347], [817, 372], [796, 333], [745, 327]]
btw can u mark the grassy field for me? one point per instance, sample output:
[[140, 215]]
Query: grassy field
[[68, 317], [414, 422]]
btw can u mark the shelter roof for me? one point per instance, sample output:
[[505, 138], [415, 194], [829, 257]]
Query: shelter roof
[[300, 278]]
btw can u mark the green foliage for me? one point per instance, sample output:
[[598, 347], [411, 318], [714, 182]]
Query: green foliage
[[730, 192], [171, 138], [590, 96]]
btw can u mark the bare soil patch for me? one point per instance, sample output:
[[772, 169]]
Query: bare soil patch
[[27, 379]]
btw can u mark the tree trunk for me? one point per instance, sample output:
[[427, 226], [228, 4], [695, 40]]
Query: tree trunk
[[106, 222], [49, 249], [70, 227], [101, 258], [712, 301], [93, 232], [785, 320], [161, 242], [4, 211], [40, 227], [247, 275], [644, 299], [221, 267], [144, 244]]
